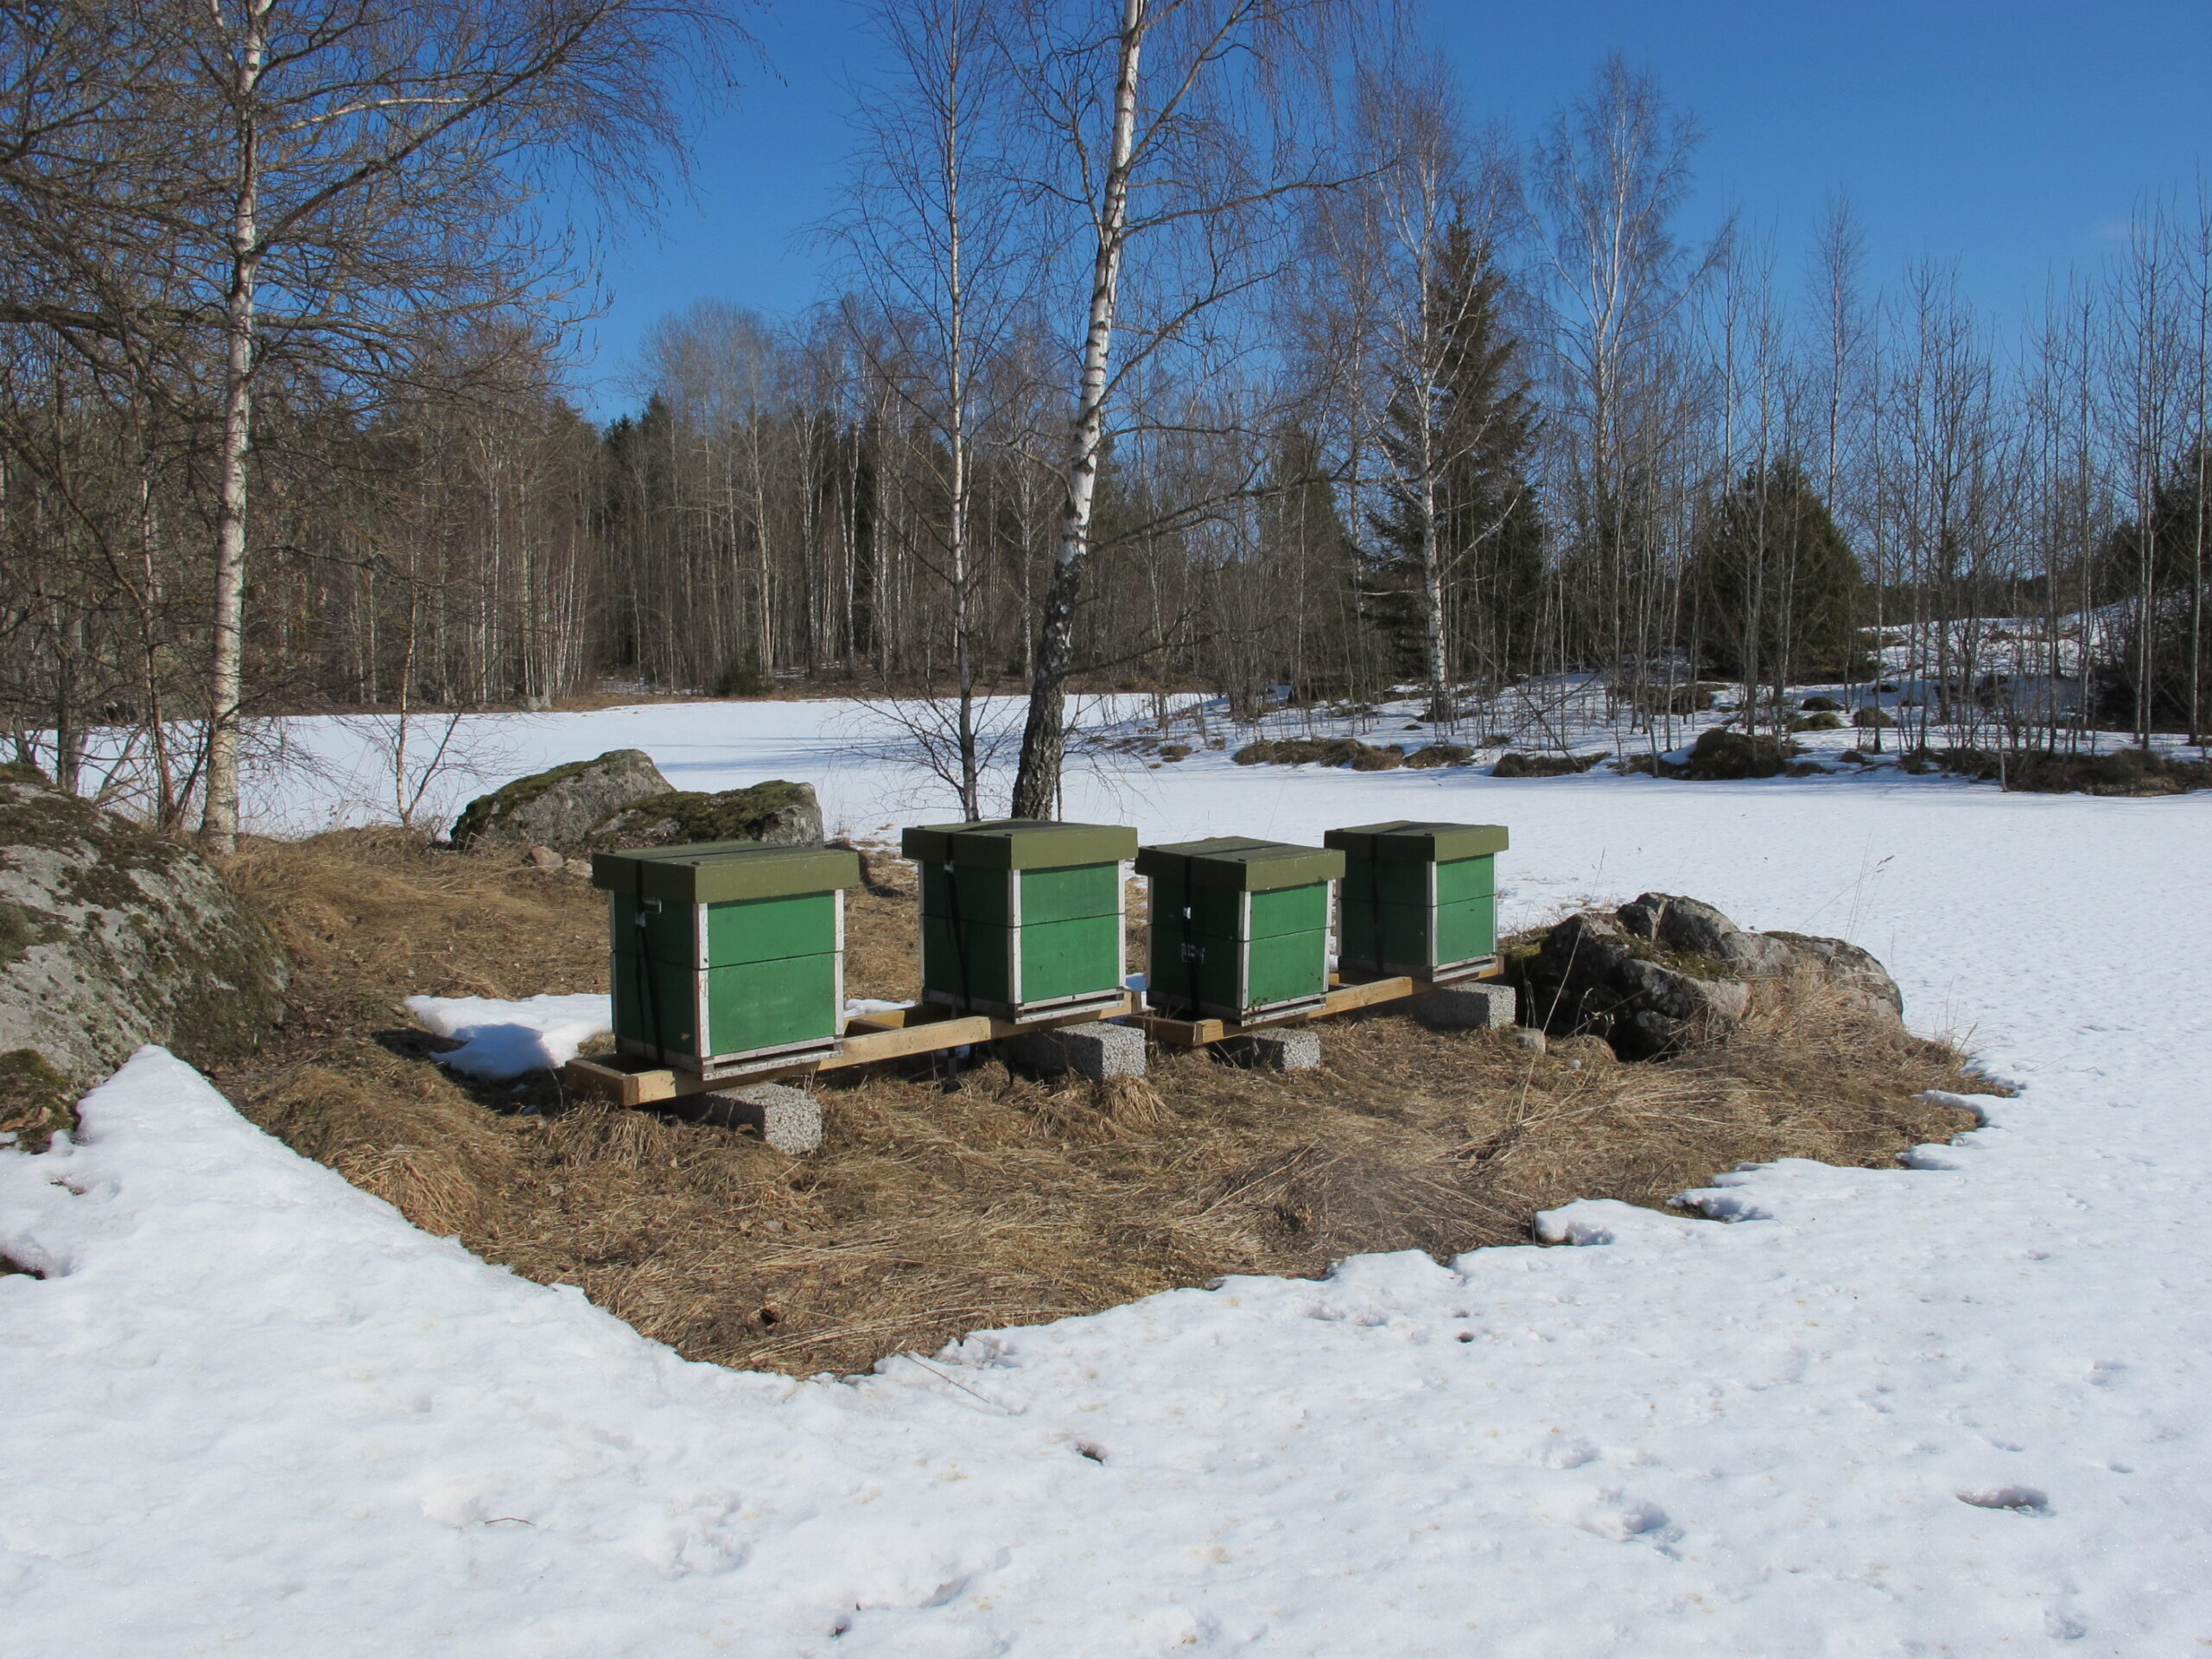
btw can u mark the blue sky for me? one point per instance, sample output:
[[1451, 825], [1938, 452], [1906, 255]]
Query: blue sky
[[2011, 138]]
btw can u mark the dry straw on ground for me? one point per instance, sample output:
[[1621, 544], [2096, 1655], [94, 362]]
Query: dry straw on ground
[[945, 1200]]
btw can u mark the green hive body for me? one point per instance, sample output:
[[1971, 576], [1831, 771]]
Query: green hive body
[[727, 952], [1417, 898], [1240, 928], [1021, 917]]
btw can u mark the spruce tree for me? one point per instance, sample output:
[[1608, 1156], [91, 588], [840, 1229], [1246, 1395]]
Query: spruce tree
[[1777, 587], [2154, 676], [1452, 576], [1329, 651]]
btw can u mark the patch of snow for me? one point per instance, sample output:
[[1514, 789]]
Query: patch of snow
[[856, 1006], [502, 1040]]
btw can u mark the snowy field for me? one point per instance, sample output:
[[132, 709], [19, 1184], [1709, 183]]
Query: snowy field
[[1956, 1409], [311, 773]]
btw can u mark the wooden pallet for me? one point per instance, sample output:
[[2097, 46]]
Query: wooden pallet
[[1342, 998], [927, 1028], [884, 1034]]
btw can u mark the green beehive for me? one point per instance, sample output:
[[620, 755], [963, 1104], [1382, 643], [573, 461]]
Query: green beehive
[[1417, 898], [1240, 928], [729, 952], [1021, 917]]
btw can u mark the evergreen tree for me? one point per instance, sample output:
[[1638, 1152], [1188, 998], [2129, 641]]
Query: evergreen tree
[[1459, 541], [2154, 679], [636, 494], [1777, 587], [1327, 651]]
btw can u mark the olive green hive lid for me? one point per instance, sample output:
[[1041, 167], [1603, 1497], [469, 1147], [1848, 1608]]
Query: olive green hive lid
[[1019, 843], [1419, 842], [1242, 864], [716, 872]]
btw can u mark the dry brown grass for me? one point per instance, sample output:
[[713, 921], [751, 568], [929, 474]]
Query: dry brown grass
[[943, 1201]]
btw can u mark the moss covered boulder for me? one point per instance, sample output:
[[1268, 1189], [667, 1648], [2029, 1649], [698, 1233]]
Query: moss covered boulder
[[1722, 756], [1517, 765], [112, 937], [558, 808], [775, 814], [1664, 973]]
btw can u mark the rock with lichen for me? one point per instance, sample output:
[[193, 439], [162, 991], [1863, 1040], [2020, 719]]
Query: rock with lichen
[[558, 808], [775, 814], [1696, 929], [113, 937], [1664, 973]]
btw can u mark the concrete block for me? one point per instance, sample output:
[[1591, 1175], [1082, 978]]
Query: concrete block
[[1297, 1049], [1481, 1005], [788, 1119], [1097, 1051]]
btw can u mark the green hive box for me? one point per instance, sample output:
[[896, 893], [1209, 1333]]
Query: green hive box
[[730, 955], [1240, 928], [1021, 917], [1417, 898]]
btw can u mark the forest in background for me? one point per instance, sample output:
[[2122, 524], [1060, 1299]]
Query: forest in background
[[1172, 345]]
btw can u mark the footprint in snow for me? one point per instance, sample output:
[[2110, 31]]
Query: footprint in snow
[[2021, 1500], [1609, 1513], [1623, 1519]]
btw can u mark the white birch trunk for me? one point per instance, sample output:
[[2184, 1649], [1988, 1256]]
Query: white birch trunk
[[218, 824], [1044, 739]]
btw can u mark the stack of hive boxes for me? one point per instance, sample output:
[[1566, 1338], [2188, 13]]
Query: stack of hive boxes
[[1021, 917], [1240, 927], [1417, 898], [728, 953]]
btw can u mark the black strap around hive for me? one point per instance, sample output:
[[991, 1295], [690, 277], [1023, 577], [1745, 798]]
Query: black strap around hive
[[1375, 909], [648, 990], [959, 926], [1193, 952]]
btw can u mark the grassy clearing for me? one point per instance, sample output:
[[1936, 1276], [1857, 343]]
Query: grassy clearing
[[943, 1201]]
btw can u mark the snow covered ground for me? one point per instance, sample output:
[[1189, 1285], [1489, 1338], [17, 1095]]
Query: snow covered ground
[[310, 773], [1958, 1408]]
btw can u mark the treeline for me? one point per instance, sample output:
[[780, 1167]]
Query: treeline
[[282, 284], [1205, 346]]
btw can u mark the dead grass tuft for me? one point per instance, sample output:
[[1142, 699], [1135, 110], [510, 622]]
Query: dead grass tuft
[[426, 1185], [945, 1200], [1130, 1105]]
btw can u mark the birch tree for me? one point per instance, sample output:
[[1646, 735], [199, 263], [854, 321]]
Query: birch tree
[[1607, 177], [370, 161], [933, 237], [1169, 132]]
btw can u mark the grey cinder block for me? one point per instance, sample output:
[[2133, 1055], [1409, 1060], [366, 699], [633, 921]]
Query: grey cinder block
[[1294, 1050], [1484, 1005], [1097, 1051], [788, 1119]]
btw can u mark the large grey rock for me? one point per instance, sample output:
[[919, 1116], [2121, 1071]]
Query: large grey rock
[[1692, 928], [1850, 968], [558, 808], [775, 814], [110, 937], [1663, 972]]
